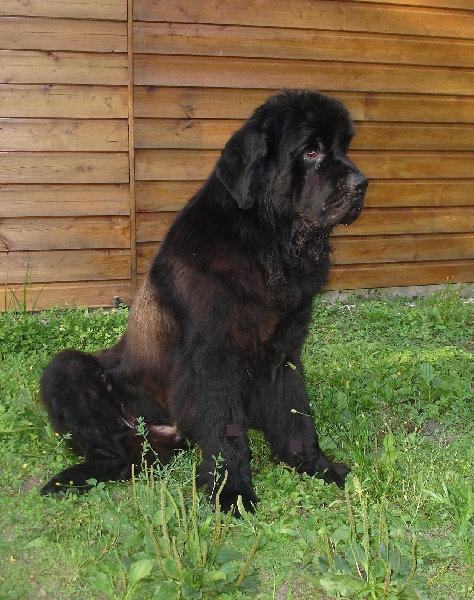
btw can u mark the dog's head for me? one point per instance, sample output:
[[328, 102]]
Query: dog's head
[[290, 157]]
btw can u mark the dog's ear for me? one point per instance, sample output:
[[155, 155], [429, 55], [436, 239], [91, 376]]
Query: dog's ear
[[240, 167]]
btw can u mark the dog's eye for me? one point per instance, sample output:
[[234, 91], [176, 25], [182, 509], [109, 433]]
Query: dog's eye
[[313, 154]]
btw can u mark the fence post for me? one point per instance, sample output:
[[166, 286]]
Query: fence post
[[131, 150]]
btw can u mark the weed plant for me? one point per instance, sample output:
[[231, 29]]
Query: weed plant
[[365, 558], [391, 383], [178, 549]]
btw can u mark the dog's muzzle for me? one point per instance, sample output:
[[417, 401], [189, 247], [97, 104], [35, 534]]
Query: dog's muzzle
[[357, 186]]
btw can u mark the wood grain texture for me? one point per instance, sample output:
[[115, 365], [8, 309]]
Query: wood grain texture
[[155, 196], [276, 74], [29, 66], [63, 101], [70, 167], [23, 200], [414, 165], [402, 248], [299, 44], [67, 265], [420, 193], [214, 133], [400, 274], [152, 227], [79, 9], [64, 233], [145, 254], [397, 221], [63, 135], [24, 33], [373, 250], [85, 293], [461, 4], [313, 14], [185, 165], [228, 103], [184, 133]]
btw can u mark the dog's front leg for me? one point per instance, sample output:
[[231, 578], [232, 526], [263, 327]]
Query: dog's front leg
[[280, 407], [206, 404]]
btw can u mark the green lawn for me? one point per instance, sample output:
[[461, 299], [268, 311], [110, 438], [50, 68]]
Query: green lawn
[[391, 383]]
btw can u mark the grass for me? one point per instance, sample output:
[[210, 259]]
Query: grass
[[391, 383]]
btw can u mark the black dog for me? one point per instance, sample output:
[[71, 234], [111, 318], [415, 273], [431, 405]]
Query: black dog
[[214, 337]]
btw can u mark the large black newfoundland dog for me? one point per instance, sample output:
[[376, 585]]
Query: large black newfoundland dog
[[214, 337]]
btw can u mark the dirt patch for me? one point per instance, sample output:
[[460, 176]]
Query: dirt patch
[[32, 482]]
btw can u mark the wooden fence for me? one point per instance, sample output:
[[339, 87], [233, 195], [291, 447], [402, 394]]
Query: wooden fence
[[111, 116]]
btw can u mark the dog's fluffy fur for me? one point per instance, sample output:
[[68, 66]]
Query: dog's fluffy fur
[[214, 337]]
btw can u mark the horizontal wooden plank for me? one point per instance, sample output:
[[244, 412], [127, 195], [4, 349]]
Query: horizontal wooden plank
[[374, 249], [313, 14], [152, 227], [401, 248], [57, 167], [79, 9], [65, 265], [351, 277], [180, 165], [28, 66], [186, 165], [213, 134], [85, 293], [420, 193], [24, 33], [274, 74], [414, 165], [64, 200], [197, 102], [352, 255], [407, 136], [63, 101], [183, 133], [64, 233], [211, 103], [462, 4], [63, 135], [300, 44], [397, 221], [153, 196], [409, 107]]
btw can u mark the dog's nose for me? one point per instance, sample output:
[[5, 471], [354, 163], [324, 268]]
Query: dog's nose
[[358, 182]]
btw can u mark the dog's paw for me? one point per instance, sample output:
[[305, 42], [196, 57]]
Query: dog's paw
[[58, 490], [59, 486], [228, 502]]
